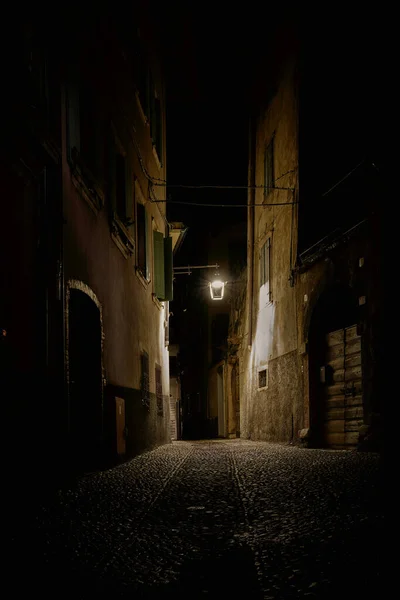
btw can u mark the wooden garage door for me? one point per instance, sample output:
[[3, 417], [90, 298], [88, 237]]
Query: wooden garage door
[[343, 408]]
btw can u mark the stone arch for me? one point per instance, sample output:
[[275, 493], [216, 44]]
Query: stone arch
[[85, 378]]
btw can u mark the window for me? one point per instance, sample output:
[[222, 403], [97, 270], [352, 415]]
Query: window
[[269, 175], [121, 198], [142, 239], [141, 74], [145, 379], [85, 143], [84, 130], [159, 395], [120, 187], [162, 266], [155, 120], [263, 378], [166, 324], [265, 265], [89, 131]]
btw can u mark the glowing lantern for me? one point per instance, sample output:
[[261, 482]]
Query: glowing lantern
[[217, 289]]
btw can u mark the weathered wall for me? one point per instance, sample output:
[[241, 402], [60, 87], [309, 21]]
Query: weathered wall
[[133, 320], [274, 412], [352, 264]]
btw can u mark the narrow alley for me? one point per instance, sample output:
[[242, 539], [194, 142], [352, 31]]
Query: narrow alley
[[206, 518]]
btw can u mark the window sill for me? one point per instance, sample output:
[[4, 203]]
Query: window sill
[[121, 237], [145, 282], [157, 302], [86, 185]]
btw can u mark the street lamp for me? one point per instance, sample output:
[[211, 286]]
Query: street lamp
[[217, 288]]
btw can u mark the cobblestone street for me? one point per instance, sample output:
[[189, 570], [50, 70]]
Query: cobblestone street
[[202, 519]]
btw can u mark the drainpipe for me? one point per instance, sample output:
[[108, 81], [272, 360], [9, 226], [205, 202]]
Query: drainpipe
[[250, 228]]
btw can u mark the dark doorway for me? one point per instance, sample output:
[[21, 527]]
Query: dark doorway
[[85, 381], [335, 370], [235, 396]]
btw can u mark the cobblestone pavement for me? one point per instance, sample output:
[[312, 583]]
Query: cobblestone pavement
[[201, 519]]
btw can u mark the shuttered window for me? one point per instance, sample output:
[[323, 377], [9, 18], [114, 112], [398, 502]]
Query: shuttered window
[[120, 186], [84, 130], [168, 268], [142, 239], [73, 122], [166, 324], [155, 118], [269, 175], [159, 272], [265, 265], [162, 266]]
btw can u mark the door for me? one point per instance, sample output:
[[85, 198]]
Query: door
[[342, 397], [120, 423], [85, 379], [173, 416]]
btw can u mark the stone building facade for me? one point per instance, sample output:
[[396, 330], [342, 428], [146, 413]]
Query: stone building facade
[[307, 337], [85, 304]]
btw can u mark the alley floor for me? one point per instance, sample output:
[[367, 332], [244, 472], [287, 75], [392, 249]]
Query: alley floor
[[210, 519]]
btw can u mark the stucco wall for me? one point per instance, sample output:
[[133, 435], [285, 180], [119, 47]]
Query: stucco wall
[[133, 321], [273, 412]]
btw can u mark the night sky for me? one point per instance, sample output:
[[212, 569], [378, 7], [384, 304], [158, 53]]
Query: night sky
[[220, 65]]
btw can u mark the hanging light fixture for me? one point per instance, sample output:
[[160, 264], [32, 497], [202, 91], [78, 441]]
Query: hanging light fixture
[[217, 288]]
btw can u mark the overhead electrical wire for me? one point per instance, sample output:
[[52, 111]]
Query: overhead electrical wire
[[344, 178], [225, 187], [208, 204], [156, 181]]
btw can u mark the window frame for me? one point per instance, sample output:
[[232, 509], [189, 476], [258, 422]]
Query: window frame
[[144, 274], [269, 166], [265, 265], [260, 370], [87, 183], [122, 226]]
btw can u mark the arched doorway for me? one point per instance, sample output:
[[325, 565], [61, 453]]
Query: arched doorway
[[335, 370], [85, 376]]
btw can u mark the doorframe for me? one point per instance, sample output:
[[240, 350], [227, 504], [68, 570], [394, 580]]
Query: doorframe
[[76, 284], [325, 287]]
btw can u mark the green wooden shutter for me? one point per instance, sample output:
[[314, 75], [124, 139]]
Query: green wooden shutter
[[73, 122], [159, 275], [168, 268]]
